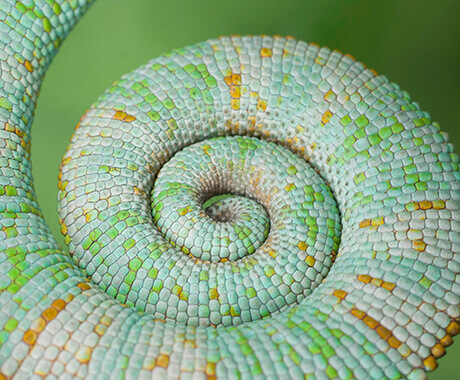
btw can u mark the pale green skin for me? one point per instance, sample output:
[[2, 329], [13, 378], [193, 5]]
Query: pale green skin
[[365, 285]]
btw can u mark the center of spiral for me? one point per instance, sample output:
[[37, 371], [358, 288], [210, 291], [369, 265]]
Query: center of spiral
[[216, 210], [229, 228]]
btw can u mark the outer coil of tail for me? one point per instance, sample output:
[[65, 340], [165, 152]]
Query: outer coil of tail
[[335, 254]]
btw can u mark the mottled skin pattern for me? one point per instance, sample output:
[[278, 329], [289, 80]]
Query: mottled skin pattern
[[335, 257]]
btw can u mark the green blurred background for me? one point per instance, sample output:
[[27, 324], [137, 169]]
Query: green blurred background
[[415, 43]]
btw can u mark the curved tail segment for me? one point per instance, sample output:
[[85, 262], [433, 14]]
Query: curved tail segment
[[31, 263], [31, 33]]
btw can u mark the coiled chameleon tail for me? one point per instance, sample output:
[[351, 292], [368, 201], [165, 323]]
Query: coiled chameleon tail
[[333, 255]]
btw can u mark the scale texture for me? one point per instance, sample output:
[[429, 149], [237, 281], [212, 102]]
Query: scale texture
[[333, 254]]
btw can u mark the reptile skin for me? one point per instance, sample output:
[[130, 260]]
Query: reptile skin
[[334, 253]]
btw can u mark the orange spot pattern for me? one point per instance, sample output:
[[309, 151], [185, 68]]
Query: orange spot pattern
[[123, 116], [438, 349], [31, 335], [326, 117], [376, 281], [383, 332], [234, 82]]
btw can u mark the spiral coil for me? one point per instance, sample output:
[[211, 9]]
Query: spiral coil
[[332, 254]]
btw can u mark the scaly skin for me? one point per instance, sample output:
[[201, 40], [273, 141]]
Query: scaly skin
[[335, 256]]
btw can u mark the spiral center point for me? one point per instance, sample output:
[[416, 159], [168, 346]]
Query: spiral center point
[[226, 226]]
